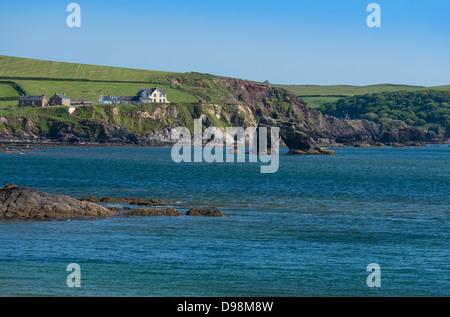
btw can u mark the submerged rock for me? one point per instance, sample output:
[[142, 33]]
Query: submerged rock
[[205, 212], [315, 151], [131, 201], [23, 203], [147, 212]]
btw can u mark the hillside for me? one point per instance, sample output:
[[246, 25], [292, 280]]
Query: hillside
[[92, 90], [29, 68], [81, 81], [425, 109], [316, 95], [218, 101]]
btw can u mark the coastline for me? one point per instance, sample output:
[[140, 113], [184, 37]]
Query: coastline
[[4, 144]]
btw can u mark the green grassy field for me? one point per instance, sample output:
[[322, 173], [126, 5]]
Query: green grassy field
[[315, 102], [7, 91], [25, 67], [344, 90], [92, 90], [4, 104], [97, 80]]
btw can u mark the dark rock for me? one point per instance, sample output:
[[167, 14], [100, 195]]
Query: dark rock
[[120, 208], [294, 139], [315, 151], [131, 201], [205, 212], [25, 203], [297, 141], [147, 212]]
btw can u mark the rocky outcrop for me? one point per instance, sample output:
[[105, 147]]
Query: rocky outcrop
[[209, 212], [23, 203], [322, 130], [294, 139], [330, 131], [297, 141], [131, 201], [314, 151], [149, 212]]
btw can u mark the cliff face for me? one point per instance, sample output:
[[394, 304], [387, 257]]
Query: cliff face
[[227, 102], [322, 129]]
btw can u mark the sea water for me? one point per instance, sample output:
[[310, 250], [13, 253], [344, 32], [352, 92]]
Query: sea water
[[310, 229]]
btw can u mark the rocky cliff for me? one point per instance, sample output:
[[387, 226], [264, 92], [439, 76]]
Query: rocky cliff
[[226, 102]]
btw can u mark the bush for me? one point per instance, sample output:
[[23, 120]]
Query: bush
[[418, 108]]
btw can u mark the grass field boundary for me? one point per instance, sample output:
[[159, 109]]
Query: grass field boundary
[[83, 80], [15, 86], [8, 98]]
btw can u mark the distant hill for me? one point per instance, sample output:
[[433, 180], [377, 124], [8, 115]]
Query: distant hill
[[316, 95], [424, 109]]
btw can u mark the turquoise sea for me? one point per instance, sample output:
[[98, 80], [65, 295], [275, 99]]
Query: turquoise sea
[[310, 229]]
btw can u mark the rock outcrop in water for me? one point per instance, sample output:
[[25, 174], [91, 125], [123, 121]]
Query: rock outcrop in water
[[148, 212], [210, 212], [315, 151], [23, 203], [297, 141], [131, 201]]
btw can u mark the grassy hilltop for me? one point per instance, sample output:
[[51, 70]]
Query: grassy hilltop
[[316, 96], [195, 94], [80, 81], [83, 81], [27, 67]]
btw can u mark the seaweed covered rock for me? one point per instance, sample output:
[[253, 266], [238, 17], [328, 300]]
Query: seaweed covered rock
[[148, 212], [23, 203], [205, 212]]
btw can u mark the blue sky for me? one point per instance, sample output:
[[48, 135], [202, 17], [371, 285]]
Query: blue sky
[[323, 42]]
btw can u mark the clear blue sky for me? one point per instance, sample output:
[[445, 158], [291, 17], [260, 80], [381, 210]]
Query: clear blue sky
[[283, 41]]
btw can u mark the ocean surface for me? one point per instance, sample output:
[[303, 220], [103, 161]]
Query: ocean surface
[[310, 229]]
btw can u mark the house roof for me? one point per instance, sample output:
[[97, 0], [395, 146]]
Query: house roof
[[32, 98], [62, 96], [151, 90]]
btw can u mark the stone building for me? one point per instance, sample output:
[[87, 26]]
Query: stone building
[[59, 100], [38, 101]]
